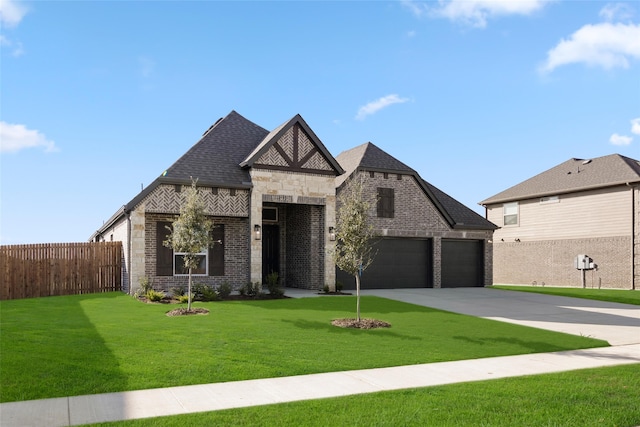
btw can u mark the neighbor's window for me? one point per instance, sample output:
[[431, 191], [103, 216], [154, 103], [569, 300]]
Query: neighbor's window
[[179, 269], [510, 212], [386, 203]]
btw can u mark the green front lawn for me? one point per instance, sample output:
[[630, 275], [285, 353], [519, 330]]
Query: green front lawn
[[85, 344], [593, 397], [612, 295]]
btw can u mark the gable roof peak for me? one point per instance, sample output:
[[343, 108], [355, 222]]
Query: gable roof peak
[[273, 137]]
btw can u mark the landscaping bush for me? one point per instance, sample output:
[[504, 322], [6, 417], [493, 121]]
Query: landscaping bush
[[154, 296], [202, 292], [250, 290], [183, 299], [273, 284], [178, 292], [224, 290]]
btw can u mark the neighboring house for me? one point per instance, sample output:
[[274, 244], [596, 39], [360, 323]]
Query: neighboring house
[[580, 207], [272, 197]]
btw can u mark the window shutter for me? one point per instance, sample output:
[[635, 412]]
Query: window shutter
[[386, 205], [216, 252], [164, 255]]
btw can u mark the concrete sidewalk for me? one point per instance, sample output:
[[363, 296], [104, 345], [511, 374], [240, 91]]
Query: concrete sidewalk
[[619, 324], [69, 411]]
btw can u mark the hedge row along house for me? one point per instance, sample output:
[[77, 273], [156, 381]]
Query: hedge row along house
[[272, 197], [579, 207]]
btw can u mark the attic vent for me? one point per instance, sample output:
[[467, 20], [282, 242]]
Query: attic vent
[[586, 162]]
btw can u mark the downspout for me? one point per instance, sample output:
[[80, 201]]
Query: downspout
[[633, 236]]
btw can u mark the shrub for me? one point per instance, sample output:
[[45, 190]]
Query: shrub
[[250, 289], [178, 292], [154, 296], [273, 284], [325, 289], [338, 286], [224, 290], [145, 287], [208, 293], [183, 299]]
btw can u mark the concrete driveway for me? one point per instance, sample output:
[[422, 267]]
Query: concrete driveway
[[619, 324]]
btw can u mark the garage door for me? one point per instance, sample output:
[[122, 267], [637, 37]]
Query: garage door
[[399, 263], [462, 263]]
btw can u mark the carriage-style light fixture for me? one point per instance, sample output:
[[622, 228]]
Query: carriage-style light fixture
[[257, 231], [332, 234]]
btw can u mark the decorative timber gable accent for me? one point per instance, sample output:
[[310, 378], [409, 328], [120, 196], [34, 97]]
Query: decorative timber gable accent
[[295, 152], [293, 147]]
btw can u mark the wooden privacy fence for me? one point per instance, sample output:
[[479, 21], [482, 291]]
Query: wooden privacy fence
[[40, 270]]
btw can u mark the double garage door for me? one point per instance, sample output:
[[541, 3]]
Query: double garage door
[[407, 263]]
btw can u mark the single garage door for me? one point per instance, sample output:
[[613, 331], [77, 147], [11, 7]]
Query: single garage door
[[462, 263], [399, 263]]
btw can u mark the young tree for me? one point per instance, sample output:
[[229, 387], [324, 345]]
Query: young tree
[[191, 232], [354, 250]]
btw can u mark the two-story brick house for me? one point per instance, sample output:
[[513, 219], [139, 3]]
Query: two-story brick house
[[272, 198], [579, 207]]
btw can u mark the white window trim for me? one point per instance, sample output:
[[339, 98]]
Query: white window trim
[[505, 206], [204, 252]]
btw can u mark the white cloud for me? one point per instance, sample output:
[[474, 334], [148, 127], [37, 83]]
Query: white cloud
[[17, 137], [377, 105], [635, 126], [616, 12], [620, 139], [606, 45], [11, 12], [16, 47], [476, 13]]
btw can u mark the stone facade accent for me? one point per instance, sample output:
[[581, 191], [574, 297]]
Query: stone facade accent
[[137, 250], [292, 189], [550, 262]]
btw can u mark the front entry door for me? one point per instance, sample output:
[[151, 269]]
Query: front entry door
[[270, 250]]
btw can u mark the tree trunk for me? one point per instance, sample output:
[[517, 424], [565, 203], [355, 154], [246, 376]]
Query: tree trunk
[[357, 297], [189, 292]]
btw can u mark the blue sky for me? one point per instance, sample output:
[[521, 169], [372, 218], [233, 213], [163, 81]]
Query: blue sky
[[98, 98]]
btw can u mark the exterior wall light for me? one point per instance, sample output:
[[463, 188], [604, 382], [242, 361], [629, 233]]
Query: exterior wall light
[[257, 231], [332, 234]]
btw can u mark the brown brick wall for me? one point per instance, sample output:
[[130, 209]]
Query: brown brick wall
[[305, 246], [551, 262], [236, 254]]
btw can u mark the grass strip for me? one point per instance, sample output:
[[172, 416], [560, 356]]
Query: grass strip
[[612, 295], [594, 397]]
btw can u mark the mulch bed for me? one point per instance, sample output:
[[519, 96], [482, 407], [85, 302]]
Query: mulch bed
[[184, 312], [361, 324]]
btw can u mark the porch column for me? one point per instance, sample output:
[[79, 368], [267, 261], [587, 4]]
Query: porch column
[[255, 245]]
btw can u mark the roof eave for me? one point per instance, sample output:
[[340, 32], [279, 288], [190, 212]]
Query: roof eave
[[492, 201]]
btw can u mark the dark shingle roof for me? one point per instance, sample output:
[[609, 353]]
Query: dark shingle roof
[[572, 176], [215, 159], [462, 215], [371, 158]]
